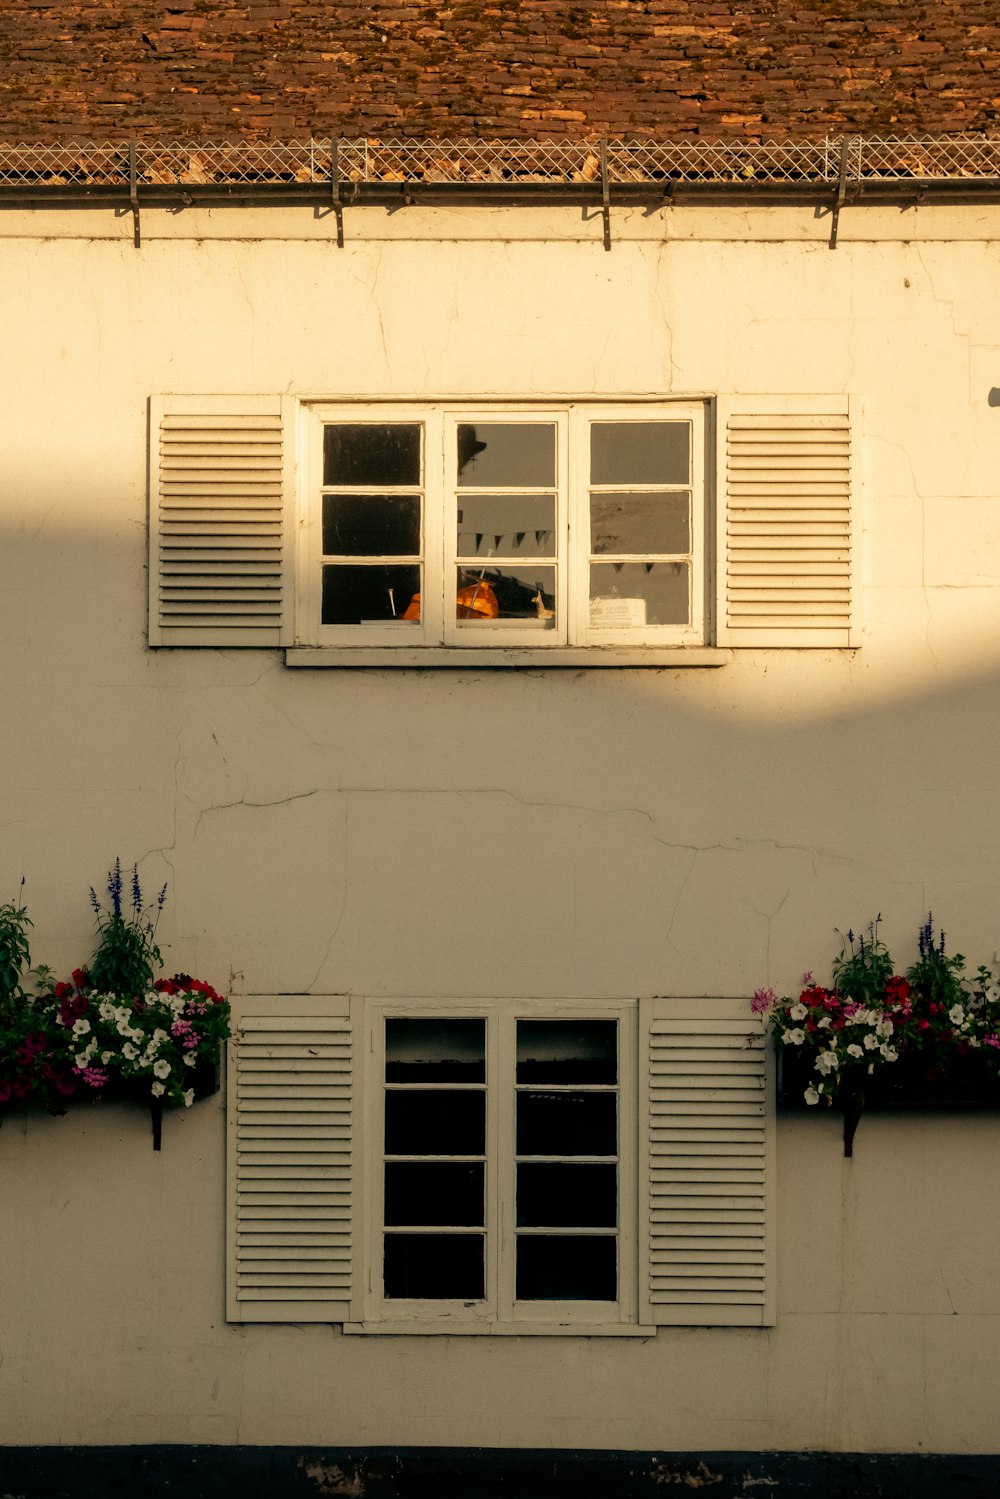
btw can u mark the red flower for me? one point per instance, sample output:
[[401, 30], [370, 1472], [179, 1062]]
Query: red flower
[[80, 977], [897, 989], [62, 990]]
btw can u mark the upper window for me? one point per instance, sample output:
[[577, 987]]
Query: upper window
[[557, 534], [578, 525]]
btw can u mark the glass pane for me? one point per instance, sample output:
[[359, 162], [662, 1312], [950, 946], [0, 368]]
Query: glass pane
[[567, 1124], [627, 595], [435, 1123], [371, 525], [557, 1196], [523, 593], [573, 1267], [517, 454], [435, 1051], [353, 594], [567, 1051], [370, 454], [507, 525], [640, 452], [444, 1194], [651, 522], [440, 1267]]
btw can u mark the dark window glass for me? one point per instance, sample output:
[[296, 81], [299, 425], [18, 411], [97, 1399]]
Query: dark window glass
[[515, 454], [371, 525], [571, 1267], [526, 593], [366, 453], [439, 1267], [354, 595], [435, 1122], [633, 594], [640, 522], [640, 452], [507, 525], [567, 1124], [435, 1051], [557, 1196], [567, 1051], [440, 1194]]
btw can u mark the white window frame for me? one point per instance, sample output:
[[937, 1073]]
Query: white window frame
[[500, 1312], [439, 632]]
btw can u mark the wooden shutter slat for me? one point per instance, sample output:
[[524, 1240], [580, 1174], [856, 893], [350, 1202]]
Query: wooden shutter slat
[[787, 563], [292, 1170], [707, 1164], [220, 501]]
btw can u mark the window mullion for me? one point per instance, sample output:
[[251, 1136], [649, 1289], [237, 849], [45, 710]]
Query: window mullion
[[504, 1171]]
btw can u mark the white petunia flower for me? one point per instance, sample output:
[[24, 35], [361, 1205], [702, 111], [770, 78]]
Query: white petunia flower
[[956, 1015], [106, 1057], [81, 1026], [824, 1024], [889, 1053], [854, 1050], [190, 1059], [811, 1096], [188, 1097], [798, 1012], [871, 1042], [158, 1090], [161, 1068], [794, 1037], [827, 1061], [129, 1052]]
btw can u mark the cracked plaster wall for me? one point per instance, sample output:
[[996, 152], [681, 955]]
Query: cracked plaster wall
[[511, 833]]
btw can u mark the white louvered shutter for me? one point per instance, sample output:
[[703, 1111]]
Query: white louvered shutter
[[220, 521], [706, 1164], [787, 544], [293, 1175]]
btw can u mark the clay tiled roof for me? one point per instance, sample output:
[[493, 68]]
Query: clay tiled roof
[[673, 69]]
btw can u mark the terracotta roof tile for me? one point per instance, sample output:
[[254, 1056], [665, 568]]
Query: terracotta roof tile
[[204, 69]]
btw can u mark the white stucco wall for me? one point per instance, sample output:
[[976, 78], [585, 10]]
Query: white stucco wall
[[673, 832]]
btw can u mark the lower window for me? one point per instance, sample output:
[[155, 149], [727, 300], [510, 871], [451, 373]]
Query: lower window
[[505, 1173]]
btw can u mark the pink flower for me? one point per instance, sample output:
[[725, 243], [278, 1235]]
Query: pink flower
[[762, 1001]]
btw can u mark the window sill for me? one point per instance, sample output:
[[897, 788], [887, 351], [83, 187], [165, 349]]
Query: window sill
[[436, 656], [502, 1329]]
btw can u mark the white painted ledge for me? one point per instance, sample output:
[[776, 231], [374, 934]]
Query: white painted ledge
[[580, 658]]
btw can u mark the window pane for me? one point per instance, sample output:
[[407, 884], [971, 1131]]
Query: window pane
[[370, 454], [352, 595], [640, 452], [573, 1267], [371, 525], [435, 1122], [557, 1196], [507, 525], [442, 1194], [567, 1124], [435, 1051], [632, 594], [650, 522], [441, 1267], [567, 1051], [517, 454], [523, 593]]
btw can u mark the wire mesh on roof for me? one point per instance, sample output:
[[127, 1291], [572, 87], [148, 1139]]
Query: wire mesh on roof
[[505, 162]]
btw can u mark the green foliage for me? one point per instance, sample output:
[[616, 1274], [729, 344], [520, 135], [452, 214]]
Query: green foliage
[[127, 956], [863, 968], [15, 951]]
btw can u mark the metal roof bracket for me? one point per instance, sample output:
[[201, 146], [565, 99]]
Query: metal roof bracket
[[133, 192], [605, 195], [838, 202], [335, 199]]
